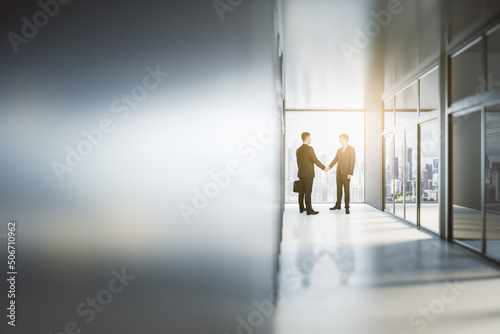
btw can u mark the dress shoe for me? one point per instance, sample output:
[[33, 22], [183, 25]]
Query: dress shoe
[[347, 211], [312, 213], [302, 210], [335, 207]]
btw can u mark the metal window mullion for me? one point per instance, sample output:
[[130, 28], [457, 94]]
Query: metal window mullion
[[419, 148], [483, 175]]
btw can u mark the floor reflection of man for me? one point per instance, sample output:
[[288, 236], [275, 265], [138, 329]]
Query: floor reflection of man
[[344, 259], [305, 259]]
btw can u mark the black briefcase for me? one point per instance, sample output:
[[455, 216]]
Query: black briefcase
[[297, 185]]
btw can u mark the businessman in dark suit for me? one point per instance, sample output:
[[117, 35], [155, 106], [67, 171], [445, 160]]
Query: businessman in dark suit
[[306, 158], [346, 158]]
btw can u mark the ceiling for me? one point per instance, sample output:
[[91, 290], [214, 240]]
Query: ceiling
[[318, 73]]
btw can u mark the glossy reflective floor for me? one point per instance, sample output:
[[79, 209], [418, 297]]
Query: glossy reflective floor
[[369, 273]]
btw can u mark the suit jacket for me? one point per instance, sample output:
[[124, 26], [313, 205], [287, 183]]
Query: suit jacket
[[306, 158], [346, 161]]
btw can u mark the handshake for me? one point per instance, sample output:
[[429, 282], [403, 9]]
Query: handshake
[[328, 169]]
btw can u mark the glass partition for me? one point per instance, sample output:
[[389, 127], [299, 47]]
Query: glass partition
[[406, 103], [467, 72], [389, 178], [493, 64], [399, 175], [429, 92], [430, 137], [466, 178], [492, 182], [411, 175]]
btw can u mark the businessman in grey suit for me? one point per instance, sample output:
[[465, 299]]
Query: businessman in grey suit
[[306, 158], [346, 158]]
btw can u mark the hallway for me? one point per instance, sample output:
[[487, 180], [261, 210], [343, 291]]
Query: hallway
[[369, 273]]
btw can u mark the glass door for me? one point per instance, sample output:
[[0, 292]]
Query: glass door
[[411, 168], [492, 182], [430, 136], [389, 173], [399, 164], [466, 170]]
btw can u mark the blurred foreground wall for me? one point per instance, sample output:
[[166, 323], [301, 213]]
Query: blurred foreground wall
[[141, 158]]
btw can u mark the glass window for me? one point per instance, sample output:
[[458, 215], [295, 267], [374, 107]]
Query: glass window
[[406, 104], [493, 55], [389, 113], [411, 175], [389, 179], [325, 128], [467, 72], [492, 180], [429, 92], [493, 119], [466, 178], [398, 175], [430, 137]]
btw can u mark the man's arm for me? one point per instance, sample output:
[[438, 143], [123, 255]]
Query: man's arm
[[312, 155], [334, 160], [352, 161]]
